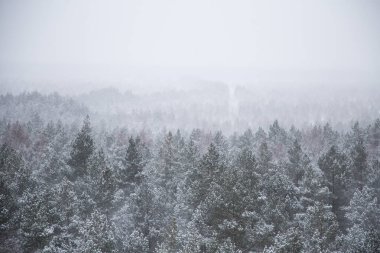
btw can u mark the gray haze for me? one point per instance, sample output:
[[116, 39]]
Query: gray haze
[[208, 126], [63, 45]]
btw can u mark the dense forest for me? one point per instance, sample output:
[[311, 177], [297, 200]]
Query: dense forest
[[208, 105], [69, 185]]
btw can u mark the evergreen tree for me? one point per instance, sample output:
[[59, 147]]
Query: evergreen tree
[[82, 149], [8, 218], [134, 164], [286, 242], [374, 138], [320, 228], [281, 200], [221, 146], [335, 168], [137, 243], [260, 136], [296, 163], [105, 192], [276, 133], [241, 195], [277, 139], [228, 247], [246, 140], [7, 208], [264, 158], [359, 163], [185, 195], [14, 181], [314, 187], [329, 136], [142, 207], [170, 243], [168, 165], [12, 170], [209, 170], [363, 213], [39, 219], [66, 234], [97, 235]]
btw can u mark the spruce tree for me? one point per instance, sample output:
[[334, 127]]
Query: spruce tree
[[8, 207], [81, 150], [296, 163], [320, 228], [106, 191], [335, 168], [264, 158], [359, 163], [134, 164], [363, 214], [374, 138]]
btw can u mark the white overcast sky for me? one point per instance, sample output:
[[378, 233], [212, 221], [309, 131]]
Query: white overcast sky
[[320, 35]]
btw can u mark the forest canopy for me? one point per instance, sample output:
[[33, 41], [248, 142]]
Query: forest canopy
[[70, 183]]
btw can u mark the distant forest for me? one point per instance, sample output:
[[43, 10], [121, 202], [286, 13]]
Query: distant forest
[[210, 106], [76, 176]]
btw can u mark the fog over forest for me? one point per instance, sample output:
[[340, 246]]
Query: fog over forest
[[197, 126]]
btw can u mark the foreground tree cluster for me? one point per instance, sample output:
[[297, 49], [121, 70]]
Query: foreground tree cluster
[[64, 189]]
